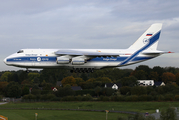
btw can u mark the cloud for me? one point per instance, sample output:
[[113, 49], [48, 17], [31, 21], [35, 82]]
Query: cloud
[[84, 24]]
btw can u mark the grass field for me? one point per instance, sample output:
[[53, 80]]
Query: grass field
[[120, 106], [57, 115], [79, 115]]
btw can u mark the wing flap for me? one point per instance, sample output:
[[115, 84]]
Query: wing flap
[[85, 53]]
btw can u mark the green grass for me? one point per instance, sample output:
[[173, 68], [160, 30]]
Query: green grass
[[58, 115], [121, 106]]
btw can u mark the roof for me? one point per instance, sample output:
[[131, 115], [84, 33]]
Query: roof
[[111, 84], [119, 84], [157, 83], [59, 83], [76, 88]]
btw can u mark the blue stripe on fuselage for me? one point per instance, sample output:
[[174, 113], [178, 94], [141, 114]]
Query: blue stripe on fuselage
[[152, 40], [53, 59], [32, 59]]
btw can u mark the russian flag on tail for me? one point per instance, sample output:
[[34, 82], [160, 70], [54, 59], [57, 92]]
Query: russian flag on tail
[[149, 34]]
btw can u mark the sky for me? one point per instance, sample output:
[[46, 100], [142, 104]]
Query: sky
[[91, 24]]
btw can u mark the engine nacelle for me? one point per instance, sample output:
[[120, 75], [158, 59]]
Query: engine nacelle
[[78, 61], [63, 60]]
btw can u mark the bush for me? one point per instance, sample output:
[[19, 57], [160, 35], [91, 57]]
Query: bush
[[118, 98], [160, 98], [1, 97], [109, 91], [138, 90], [77, 98], [177, 97], [47, 97], [145, 98], [169, 114], [36, 91], [121, 118], [104, 98], [125, 90], [66, 91], [13, 89], [132, 98], [68, 98], [85, 92], [87, 97], [29, 96], [168, 97]]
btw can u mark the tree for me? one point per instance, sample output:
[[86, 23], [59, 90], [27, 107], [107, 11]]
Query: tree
[[25, 90], [125, 90], [3, 87], [32, 75], [168, 114], [87, 85], [5, 76], [171, 69], [65, 91], [101, 79], [154, 76], [78, 81], [22, 76], [84, 76], [91, 80], [13, 89], [168, 77], [144, 68], [129, 81], [47, 88], [108, 91], [104, 79], [98, 84], [177, 78], [68, 80], [26, 83], [97, 90], [138, 90], [56, 74], [160, 90], [13, 77], [159, 70], [140, 74]]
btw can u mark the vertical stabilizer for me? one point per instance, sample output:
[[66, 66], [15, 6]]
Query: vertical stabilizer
[[149, 39]]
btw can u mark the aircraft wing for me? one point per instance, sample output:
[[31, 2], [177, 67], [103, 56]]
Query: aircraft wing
[[85, 53]]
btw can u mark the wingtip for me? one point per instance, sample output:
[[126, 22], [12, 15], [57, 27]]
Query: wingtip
[[170, 52]]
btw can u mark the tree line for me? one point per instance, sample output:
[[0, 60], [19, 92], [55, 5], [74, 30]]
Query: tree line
[[39, 84]]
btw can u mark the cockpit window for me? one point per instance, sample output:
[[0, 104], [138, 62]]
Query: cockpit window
[[20, 51]]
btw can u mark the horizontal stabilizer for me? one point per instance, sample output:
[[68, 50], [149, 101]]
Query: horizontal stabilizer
[[155, 52]]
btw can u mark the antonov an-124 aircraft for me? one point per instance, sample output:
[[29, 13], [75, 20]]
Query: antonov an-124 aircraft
[[86, 60]]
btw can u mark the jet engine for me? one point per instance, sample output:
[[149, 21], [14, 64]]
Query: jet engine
[[63, 60], [78, 61]]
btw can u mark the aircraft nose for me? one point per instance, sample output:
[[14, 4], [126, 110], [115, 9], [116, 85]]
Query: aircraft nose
[[5, 61]]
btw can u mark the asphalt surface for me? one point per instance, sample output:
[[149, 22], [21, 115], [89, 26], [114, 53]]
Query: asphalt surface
[[1, 103]]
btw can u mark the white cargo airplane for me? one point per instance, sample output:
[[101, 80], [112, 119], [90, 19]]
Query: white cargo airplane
[[86, 60]]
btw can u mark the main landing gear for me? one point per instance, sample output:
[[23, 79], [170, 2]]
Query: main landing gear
[[82, 70], [27, 71]]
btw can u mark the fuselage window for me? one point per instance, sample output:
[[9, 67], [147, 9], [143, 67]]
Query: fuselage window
[[20, 51]]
